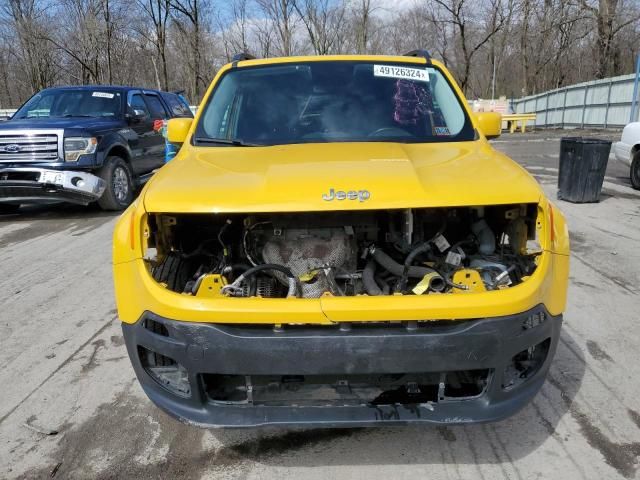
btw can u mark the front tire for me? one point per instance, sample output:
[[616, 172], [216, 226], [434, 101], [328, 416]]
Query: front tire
[[635, 172], [118, 194]]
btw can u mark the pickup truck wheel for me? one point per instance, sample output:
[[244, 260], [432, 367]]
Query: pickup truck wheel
[[7, 209], [635, 172], [119, 191]]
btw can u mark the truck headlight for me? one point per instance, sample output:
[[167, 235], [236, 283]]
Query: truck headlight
[[76, 146]]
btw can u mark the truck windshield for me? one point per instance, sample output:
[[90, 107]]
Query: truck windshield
[[72, 103], [333, 101]]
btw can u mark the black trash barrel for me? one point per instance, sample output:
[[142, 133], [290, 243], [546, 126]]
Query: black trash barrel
[[583, 162]]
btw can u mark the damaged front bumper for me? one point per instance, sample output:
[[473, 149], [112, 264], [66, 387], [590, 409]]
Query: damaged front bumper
[[447, 372], [19, 185]]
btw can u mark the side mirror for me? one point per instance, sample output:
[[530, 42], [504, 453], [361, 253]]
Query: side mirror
[[135, 116], [178, 129], [489, 123]]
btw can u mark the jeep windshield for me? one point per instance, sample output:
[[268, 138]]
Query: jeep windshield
[[61, 103], [333, 101]]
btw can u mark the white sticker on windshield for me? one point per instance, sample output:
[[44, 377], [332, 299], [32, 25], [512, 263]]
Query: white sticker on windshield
[[102, 95], [406, 73]]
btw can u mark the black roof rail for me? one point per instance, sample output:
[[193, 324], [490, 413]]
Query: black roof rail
[[238, 57], [419, 53]]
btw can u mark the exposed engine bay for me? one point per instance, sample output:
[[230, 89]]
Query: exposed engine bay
[[308, 255]]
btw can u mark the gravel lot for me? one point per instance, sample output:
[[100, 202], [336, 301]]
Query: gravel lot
[[71, 408]]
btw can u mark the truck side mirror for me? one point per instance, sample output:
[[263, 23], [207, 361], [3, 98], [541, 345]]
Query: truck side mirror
[[489, 123], [178, 129], [135, 115]]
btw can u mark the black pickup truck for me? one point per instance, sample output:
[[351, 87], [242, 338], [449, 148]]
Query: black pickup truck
[[84, 144]]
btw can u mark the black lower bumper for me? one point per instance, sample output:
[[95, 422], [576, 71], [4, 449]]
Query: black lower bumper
[[495, 347]]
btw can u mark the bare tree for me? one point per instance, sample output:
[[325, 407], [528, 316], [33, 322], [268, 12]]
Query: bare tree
[[4, 72], [158, 12], [609, 20], [28, 19], [533, 45], [189, 22], [235, 36], [472, 31], [362, 12], [265, 37], [80, 38], [417, 28], [281, 14], [109, 31], [323, 20]]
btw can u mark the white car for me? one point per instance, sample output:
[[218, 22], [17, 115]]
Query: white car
[[627, 150]]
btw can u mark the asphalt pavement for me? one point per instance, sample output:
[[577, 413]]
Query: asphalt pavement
[[70, 406]]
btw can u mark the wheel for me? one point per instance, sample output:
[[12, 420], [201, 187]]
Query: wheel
[[8, 208], [119, 191], [635, 172], [174, 271]]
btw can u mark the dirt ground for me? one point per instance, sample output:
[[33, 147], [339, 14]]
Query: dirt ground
[[70, 406]]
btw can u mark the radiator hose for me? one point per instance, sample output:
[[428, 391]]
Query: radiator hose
[[368, 278], [234, 289], [389, 264], [420, 249], [437, 282]]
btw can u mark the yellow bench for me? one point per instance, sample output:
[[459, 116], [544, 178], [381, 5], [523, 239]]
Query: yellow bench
[[513, 119]]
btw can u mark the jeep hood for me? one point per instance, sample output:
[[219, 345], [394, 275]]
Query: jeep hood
[[295, 177]]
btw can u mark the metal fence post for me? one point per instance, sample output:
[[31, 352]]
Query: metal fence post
[[546, 110], [634, 99], [584, 105], [564, 104], [606, 112]]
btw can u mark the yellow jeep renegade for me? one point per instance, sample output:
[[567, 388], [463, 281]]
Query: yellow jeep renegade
[[337, 244]]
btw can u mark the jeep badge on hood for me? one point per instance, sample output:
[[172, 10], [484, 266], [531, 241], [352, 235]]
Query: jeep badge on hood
[[360, 195]]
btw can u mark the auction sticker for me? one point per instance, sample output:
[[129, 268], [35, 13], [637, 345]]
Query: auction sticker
[[405, 73], [102, 94]]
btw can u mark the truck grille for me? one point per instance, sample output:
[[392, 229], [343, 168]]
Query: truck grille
[[29, 146]]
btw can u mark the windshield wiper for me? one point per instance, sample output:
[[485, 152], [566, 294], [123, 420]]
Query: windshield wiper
[[228, 141], [69, 115]]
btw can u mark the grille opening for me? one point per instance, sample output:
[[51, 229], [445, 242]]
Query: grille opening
[[20, 176], [345, 253], [166, 371], [345, 390], [156, 327], [525, 364]]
